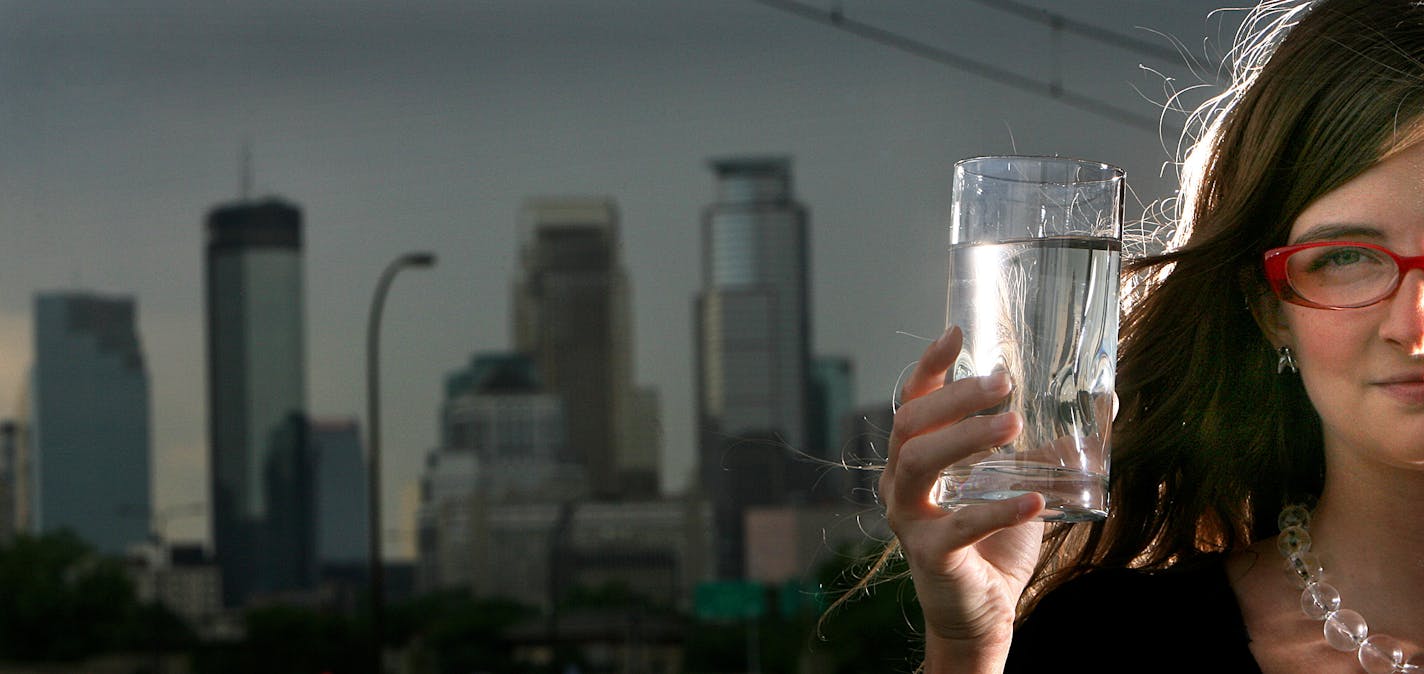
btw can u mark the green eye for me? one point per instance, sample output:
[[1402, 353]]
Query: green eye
[[1337, 257]]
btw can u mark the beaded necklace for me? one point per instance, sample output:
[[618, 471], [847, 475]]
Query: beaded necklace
[[1345, 629]]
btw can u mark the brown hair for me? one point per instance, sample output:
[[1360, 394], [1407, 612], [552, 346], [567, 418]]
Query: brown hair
[[1209, 441]]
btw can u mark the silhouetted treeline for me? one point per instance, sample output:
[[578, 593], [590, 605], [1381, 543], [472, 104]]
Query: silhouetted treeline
[[60, 601]]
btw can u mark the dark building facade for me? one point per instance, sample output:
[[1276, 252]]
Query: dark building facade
[[571, 316], [341, 506], [9, 461], [260, 463]]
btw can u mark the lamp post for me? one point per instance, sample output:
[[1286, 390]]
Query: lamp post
[[373, 441]]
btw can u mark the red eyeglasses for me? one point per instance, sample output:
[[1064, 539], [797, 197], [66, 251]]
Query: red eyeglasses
[[1336, 274]]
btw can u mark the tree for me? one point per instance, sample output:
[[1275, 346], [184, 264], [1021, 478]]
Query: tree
[[59, 600], [460, 632]]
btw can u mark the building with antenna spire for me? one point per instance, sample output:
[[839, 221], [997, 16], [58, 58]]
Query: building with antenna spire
[[261, 466]]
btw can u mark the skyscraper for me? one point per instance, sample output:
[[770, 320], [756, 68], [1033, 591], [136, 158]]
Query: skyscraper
[[571, 317], [257, 398], [341, 507], [832, 395], [88, 426], [752, 344], [830, 398]]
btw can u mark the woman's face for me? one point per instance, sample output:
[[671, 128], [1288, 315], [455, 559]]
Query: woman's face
[[1364, 368]]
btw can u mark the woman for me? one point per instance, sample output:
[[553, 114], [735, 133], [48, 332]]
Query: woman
[[1242, 393]]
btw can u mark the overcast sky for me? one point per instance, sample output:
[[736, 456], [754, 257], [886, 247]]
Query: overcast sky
[[422, 126]]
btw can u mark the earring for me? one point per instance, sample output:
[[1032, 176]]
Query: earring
[[1287, 361]]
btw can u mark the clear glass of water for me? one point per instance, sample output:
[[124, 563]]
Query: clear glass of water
[[1035, 246]]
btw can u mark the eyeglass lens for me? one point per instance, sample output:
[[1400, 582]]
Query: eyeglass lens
[[1341, 276]]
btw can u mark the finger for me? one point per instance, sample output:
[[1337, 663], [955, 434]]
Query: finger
[[922, 459], [928, 374], [970, 524], [948, 405], [931, 545]]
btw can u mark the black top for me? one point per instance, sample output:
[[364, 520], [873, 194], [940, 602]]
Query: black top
[[1123, 620], [239, 225]]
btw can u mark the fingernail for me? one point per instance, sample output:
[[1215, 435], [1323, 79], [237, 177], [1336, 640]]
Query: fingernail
[[996, 382], [944, 336], [1027, 506], [1004, 422]]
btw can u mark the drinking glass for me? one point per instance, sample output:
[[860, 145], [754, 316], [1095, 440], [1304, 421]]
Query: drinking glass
[[1035, 246]]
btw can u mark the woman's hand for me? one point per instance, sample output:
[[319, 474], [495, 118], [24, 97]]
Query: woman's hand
[[970, 565]]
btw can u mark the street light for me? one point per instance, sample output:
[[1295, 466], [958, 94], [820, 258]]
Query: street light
[[373, 440]]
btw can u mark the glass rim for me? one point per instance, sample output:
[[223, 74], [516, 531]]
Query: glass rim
[[1111, 173]]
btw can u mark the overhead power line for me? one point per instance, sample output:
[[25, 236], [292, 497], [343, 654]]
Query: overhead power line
[[838, 20], [1103, 35]]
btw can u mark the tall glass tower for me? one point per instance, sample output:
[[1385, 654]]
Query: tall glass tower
[[88, 431], [752, 343], [261, 469], [571, 316]]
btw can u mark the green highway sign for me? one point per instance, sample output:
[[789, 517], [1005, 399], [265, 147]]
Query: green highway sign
[[730, 600]]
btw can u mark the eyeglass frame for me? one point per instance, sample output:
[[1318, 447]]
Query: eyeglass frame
[[1277, 272]]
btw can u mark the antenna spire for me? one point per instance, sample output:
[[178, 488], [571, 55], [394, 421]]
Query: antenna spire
[[246, 177]]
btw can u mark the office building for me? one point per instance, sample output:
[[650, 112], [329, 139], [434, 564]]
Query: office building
[[754, 325], [288, 559], [792, 542], [88, 454], [571, 316], [831, 397], [507, 433], [641, 454], [22, 474], [502, 440], [537, 553], [181, 577], [257, 399], [9, 458], [342, 509], [752, 343]]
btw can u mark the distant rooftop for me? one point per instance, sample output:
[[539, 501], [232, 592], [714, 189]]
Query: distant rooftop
[[494, 372], [270, 221], [569, 210], [751, 165]]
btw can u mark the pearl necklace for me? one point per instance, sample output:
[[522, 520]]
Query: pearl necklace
[[1345, 630]]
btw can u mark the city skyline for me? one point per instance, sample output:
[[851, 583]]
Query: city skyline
[[402, 130]]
